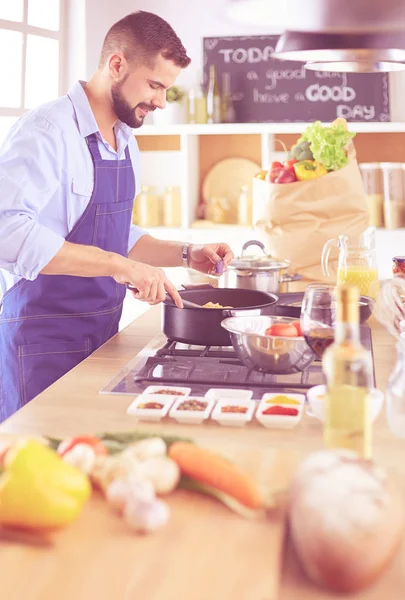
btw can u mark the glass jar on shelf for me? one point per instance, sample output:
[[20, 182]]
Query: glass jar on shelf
[[172, 206], [244, 207], [395, 393], [217, 209], [394, 195], [373, 186], [147, 208], [196, 103]]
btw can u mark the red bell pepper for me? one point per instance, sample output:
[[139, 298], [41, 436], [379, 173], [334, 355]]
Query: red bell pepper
[[282, 175]]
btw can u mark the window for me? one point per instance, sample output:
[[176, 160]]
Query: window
[[31, 51]]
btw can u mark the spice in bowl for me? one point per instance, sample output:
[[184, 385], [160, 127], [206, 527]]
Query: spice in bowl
[[165, 392], [151, 405], [232, 408], [192, 404], [281, 399], [281, 410]]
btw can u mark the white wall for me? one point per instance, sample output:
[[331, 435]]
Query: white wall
[[192, 21]]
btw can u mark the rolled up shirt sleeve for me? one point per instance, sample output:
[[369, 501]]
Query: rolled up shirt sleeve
[[30, 173], [135, 233]]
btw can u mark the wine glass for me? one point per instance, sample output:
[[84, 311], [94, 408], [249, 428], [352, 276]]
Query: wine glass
[[318, 313]]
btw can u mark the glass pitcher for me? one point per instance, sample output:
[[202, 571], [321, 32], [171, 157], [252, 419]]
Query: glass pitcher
[[357, 263]]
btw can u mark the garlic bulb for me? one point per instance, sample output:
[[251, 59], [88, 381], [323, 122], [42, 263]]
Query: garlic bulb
[[146, 448], [144, 517], [162, 472], [121, 491]]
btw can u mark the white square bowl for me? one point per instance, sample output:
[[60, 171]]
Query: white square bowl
[[316, 399], [191, 417], [150, 414], [173, 391], [219, 394], [280, 421], [233, 419]]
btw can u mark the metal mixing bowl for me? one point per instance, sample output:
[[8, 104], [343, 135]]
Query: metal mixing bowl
[[271, 354]]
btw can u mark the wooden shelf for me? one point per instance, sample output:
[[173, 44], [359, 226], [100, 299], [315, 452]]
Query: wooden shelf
[[258, 128]]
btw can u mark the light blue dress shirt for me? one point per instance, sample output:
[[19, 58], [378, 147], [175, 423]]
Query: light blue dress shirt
[[46, 181]]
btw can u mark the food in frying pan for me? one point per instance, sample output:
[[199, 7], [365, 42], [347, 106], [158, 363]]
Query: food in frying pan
[[214, 305]]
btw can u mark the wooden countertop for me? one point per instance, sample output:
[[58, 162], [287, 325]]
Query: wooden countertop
[[73, 405]]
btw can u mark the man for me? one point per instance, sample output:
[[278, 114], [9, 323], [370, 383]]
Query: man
[[68, 177]]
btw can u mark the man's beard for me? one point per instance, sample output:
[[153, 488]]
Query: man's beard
[[124, 111]]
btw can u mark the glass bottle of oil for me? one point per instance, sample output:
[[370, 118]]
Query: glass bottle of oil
[[227, 108], [348, 370], [213, 97], [197, 103]]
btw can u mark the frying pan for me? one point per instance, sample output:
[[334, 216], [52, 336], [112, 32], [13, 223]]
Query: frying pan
[[202, 326]]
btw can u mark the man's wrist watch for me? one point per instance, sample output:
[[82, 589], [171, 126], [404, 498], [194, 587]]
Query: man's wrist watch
[[184, 255]]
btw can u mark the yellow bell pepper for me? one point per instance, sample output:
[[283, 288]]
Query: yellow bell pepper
[[38, 491], [309, 169]]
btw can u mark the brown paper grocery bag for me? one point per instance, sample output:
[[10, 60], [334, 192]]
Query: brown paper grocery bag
[[294, 220]]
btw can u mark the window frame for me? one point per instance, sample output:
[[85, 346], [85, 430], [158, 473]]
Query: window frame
[[25, 29]]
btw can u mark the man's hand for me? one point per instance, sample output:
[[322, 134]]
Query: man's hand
[[205, 258], [150, 283]]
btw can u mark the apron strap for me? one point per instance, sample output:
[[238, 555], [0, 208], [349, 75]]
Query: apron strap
[[92, 143]]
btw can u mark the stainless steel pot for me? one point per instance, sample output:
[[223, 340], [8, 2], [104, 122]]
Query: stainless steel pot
[[262, 273]]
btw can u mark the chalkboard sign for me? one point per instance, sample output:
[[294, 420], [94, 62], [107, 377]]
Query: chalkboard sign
[[267, 90]]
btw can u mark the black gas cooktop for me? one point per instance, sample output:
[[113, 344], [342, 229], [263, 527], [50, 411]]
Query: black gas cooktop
[[201, 368]]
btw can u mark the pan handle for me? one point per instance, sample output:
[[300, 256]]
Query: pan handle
[[197, 286], [236, 312]]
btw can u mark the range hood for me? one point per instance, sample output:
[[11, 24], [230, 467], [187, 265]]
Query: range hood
[[362, 36]]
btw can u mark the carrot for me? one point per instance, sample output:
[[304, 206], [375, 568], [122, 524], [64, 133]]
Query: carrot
[[216, 471]]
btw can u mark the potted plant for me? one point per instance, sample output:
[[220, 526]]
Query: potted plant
[[175, 111]]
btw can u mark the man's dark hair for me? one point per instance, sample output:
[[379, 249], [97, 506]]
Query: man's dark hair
[[141, 37]]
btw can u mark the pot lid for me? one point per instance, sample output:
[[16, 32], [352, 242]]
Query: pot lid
[[261, 262]]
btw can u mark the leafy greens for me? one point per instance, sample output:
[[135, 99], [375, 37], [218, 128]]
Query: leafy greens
[[328, 144]]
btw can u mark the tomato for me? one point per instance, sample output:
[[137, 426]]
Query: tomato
[[282, 330], [297, 326], [67, 444]]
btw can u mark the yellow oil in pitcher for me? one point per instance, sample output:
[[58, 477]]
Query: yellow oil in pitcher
[[365, 279]]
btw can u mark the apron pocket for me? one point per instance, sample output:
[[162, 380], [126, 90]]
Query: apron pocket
[[40, 365], [111, 226]]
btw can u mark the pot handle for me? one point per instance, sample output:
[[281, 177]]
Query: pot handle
[[254, 243], [289, 278]]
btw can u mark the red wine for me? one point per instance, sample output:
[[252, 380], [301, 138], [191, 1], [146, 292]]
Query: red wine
[[319, 339]]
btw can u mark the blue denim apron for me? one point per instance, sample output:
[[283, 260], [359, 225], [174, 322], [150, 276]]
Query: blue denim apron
[[49, 325]]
